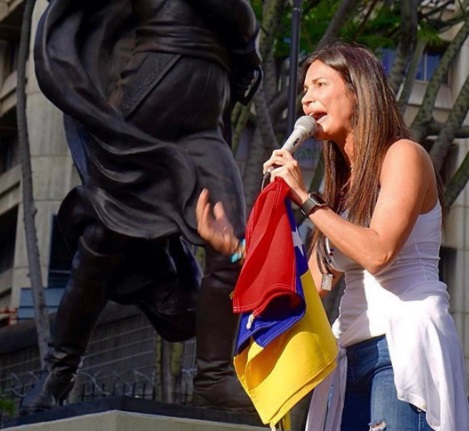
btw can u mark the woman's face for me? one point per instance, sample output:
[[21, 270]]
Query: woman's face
[[328, 101]]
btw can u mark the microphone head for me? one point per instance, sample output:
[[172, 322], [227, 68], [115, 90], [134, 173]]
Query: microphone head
[[304, 128], [307, 123]]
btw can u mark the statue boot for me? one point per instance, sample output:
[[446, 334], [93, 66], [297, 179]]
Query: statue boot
[[81, 305], [216, 385]]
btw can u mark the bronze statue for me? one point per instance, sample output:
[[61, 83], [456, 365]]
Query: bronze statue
[[147, 88]]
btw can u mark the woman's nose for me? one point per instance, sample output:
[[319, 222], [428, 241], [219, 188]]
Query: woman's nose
[[307, 98]]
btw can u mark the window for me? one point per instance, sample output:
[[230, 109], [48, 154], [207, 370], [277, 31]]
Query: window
[[9, 156], [7, 239], [428, 63], [387, 58]]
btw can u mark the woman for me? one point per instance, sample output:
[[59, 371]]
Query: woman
[[381, 227]]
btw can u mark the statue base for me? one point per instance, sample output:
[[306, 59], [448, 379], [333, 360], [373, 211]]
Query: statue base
[[125, 413]]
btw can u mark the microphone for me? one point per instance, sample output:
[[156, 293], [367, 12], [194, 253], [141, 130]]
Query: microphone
[[304, 128]]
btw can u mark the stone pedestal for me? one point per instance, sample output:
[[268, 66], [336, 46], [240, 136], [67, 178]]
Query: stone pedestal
[[134, 414], [116, 420]]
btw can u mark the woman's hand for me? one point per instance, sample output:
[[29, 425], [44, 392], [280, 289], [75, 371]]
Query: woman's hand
[[282, 164], [214, 227]]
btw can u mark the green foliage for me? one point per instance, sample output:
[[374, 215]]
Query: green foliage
[[257, 7], [428, 33], [314, 23], [373, 24], [7, 405], [376, 30]]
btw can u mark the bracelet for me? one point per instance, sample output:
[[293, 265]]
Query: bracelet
[[240, 252]]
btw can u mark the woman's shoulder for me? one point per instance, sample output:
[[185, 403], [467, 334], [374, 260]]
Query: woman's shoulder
[[408, 151], [409, 164], [407, 145]]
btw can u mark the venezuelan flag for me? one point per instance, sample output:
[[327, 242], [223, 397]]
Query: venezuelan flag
[[285, 345]]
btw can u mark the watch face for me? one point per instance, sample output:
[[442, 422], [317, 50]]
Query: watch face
[[317, 198], [314, 201]]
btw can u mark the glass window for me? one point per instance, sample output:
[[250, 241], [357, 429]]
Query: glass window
[[427, 66], [7, 238], [387, 59]]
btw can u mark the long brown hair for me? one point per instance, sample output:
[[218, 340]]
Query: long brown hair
[[377, 124]]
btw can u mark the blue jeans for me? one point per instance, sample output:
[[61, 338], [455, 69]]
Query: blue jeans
[[371, 401]]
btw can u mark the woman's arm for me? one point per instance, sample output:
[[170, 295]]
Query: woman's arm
[[407, 189]]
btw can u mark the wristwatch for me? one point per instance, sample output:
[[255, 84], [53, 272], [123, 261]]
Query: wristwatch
[[311, 204]]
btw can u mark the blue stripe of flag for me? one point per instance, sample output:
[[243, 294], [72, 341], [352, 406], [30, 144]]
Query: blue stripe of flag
[[277, 318]]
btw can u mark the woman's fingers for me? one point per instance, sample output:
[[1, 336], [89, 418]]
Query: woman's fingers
[[291, 173], [278, 158]]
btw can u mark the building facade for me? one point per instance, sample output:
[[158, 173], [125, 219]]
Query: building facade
[[53, 173]]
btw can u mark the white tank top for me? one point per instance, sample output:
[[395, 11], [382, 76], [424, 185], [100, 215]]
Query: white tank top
[[363, 304]]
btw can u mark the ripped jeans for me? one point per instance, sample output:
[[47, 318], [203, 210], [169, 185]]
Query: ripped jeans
[[371, 401]]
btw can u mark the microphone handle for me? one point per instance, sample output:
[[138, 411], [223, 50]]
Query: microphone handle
[[291, 148]]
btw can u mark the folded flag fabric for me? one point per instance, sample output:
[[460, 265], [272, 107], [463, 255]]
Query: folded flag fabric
[[267, 272], [285, 344]]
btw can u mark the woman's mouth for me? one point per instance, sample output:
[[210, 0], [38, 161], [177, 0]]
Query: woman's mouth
[[319, 116]]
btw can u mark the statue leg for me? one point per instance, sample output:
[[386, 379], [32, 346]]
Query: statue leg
[[216, 384], [170, 301], [83, 301], [200, 134]]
